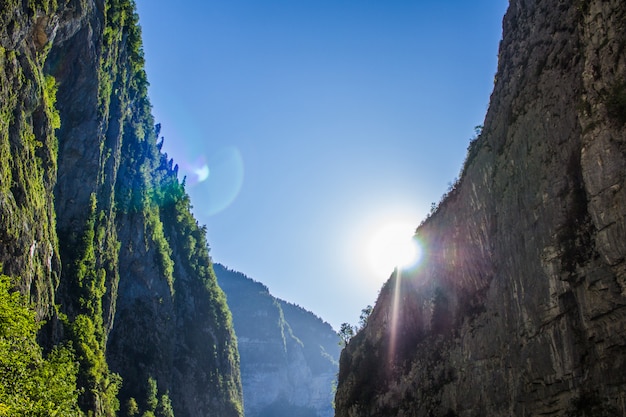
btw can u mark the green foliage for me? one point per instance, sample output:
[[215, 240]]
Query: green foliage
[[31, 385], [50, 98], [153, 405], [47, 6], [162, 247], [151, 192], [365, 315], [346, 333], [86, 329], [151, 397], [132, 408], [94, 374], [164, 408], [28, 155], [144, 184], [188, 240], [89, 279]]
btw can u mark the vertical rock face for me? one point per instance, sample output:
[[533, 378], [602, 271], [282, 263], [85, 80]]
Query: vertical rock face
[[288, 355], [95, 221], [519, 307], [28, 149]]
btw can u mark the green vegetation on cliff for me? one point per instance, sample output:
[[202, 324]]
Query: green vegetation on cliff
[[97, 232], [32, 384]]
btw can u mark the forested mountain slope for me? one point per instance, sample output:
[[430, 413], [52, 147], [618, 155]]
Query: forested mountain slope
[[519, 306], [96, 231], [289, 356]]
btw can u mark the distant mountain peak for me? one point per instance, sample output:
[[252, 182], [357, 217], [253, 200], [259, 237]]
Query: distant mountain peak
[[289, 356]]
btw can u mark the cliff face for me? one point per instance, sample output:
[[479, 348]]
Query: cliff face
[[28, 239], [95, 221], [519, 307], [289, 357]]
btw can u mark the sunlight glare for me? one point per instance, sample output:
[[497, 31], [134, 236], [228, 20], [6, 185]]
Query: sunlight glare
[[393, 246]]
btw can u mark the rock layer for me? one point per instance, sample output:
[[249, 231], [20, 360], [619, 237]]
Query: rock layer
[[519, 305]]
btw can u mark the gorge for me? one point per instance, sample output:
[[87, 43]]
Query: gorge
[[110, 303]]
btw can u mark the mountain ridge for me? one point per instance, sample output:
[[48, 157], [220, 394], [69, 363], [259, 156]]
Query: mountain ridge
[[289, 356]]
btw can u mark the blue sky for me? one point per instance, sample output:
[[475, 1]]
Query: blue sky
[[303, 127]]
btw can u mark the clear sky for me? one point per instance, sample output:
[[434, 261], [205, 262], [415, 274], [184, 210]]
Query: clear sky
[[305, 127]]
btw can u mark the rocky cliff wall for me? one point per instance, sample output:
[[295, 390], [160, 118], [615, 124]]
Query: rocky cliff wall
[[28, 149], [518, 307], [289, 356], [96, 228]]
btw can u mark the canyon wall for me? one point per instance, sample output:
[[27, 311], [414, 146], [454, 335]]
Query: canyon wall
[[96, 227], [519, 305]]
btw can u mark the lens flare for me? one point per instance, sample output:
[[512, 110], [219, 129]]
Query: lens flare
[[202, 173], [215, 182], [395, 314]]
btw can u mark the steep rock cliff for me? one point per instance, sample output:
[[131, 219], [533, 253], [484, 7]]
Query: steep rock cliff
[[96, 228], [28, 149], [519, 306], [289, 356]]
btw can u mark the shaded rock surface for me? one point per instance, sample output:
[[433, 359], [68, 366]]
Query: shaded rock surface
[[519, 307], [289, 356]]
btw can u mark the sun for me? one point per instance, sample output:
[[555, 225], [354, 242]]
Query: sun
[[392, 246]]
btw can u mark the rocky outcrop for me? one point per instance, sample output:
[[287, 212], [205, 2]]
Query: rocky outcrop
[[519, 307], [289, 356], [96, 228]]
